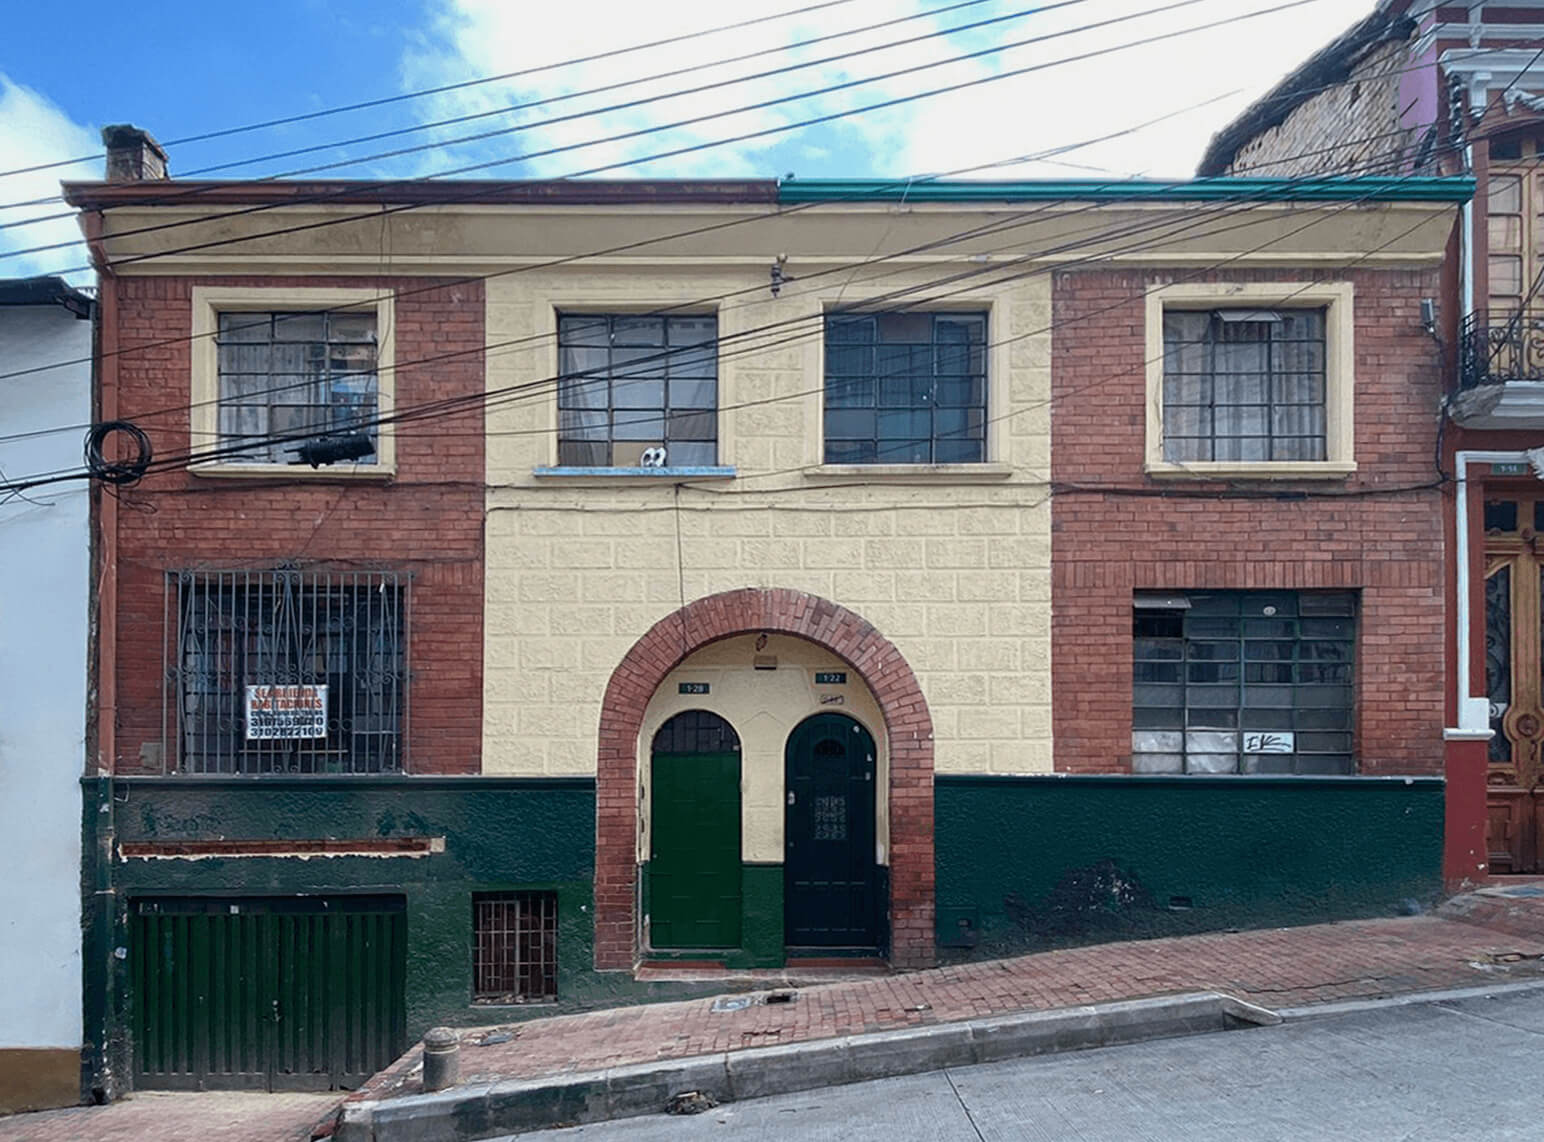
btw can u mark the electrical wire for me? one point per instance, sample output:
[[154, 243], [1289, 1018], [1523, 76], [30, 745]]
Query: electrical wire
[[468, 194], [449, 407], [463, 84], [179, 193], [775, 212], [1190, 215]]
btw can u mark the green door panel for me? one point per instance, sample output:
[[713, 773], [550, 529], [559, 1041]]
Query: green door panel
[[292, 993], [694, 864]]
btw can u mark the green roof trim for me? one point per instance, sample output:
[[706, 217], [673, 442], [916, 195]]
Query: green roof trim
[[1456, 190]]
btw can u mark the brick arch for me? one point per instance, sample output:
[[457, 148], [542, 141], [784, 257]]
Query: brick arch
[[908, 726]]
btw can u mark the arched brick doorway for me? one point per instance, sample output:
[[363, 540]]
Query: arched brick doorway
[[748, 610]]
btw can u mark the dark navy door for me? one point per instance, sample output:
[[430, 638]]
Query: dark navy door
[[830, 881]]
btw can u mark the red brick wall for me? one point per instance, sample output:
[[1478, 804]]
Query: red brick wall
[[1190, 535], [426, 521]]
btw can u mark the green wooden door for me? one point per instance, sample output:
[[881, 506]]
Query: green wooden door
[[285, 993], [694, 858], [830, 879]]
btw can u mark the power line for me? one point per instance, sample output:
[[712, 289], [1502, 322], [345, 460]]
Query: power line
[[775, 212], [185, 192], [471, 403], [468, 195], [191, 192], [1011, 222], [423, 92], [636, 245]]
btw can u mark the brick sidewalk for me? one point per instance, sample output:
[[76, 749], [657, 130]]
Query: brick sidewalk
[[1467, 945], [1283, 967], [165, 1116]]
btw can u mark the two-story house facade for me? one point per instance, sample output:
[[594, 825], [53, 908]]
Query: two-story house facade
[[742, 575], [1427, 88]]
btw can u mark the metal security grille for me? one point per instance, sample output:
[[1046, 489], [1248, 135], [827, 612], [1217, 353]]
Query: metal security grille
[[1244, 385], [905, 388], [292, 374], [696, 731], [1244, 682], [288, 671], [515, 947]]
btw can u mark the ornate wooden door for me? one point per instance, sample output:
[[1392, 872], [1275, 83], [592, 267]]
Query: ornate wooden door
[[1514, 651]]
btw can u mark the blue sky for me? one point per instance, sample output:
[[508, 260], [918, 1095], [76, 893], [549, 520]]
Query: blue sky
[[180, 68]]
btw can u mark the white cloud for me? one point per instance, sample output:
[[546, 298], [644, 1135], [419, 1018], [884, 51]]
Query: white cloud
[[34, 132], [1017, 115]]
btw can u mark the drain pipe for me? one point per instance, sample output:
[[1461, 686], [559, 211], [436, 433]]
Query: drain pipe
[[1473, 713]]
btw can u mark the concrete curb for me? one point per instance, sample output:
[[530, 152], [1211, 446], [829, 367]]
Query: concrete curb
[[491, 1109], [1405, 999]]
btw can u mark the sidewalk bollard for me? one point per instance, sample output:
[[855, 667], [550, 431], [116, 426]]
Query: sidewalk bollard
[[442, 1058]]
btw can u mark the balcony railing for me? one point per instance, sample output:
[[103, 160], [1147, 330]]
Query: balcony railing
[[1499, 347]]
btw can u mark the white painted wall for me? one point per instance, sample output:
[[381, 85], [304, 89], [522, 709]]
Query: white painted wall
[[43, 597]]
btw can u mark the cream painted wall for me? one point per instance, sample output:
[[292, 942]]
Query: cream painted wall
[[764, 706], [952, 567]]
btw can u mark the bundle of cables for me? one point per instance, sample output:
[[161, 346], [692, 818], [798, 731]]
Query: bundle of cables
[[122, 471]]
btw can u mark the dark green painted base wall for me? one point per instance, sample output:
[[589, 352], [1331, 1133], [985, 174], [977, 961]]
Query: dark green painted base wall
[[1035, 862], [499, 834]]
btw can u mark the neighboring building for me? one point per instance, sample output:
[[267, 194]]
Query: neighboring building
[[45, 350], [748, 573], [1442, 89]]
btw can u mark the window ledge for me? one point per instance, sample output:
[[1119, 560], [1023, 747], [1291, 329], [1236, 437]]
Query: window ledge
[[1259, 470], [563, 472], [931, 473], [296, 471]]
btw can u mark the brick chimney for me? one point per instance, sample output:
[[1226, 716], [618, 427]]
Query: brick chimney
[[132, 155]]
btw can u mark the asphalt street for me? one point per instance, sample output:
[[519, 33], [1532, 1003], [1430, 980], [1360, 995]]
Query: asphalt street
[[1461, 1069]]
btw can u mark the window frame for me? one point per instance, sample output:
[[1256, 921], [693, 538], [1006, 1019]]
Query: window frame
[[209, 302], [547, 930], [1336, 299], [611, 314], [1241, 640], [993, 364]]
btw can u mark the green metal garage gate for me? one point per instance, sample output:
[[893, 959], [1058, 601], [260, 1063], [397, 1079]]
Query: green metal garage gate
[[267, 993]]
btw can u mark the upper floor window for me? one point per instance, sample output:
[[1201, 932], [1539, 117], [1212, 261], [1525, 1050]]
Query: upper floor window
[[637, 390], [1250, 380], [1243, 384], [1514, 208], [905, 388], [275, 368], [284, 376], [288, 672]]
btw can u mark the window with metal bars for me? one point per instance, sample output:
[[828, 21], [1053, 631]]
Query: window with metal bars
[[1244, 385], [514, 947], [287, 671], [905, 388], [293, 375], [636, 388], [1243, 682]]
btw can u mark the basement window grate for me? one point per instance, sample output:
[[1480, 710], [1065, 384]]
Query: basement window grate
[[514, 947]]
